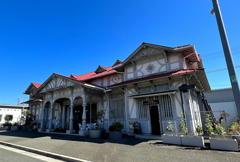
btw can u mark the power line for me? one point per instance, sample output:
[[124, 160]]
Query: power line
[[238, 66], [221, 85], [221, 52]]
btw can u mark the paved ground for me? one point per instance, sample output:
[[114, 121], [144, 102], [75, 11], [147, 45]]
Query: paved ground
[[127, 150], [9, 156]]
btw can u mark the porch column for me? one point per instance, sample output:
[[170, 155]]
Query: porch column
[[42, 117], [35, 112], [71, 118], [50, 119], [84, 117], [90, 113], [64, 117], [84, 132]]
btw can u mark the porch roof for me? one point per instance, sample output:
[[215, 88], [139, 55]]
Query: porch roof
[[155, 77], [35, 100]]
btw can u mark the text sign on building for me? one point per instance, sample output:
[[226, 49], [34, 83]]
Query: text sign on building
[[152, 102]]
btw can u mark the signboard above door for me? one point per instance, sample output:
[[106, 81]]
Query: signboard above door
[[152, 102]]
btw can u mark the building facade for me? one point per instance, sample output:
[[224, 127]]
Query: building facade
[[13, 110], [152, 86]]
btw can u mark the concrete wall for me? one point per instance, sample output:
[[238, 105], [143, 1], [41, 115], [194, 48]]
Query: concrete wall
[[222, 100], [220, 95]]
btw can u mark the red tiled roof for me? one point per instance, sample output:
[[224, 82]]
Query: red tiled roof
[[92, 75], [36, 85], [155, 77]]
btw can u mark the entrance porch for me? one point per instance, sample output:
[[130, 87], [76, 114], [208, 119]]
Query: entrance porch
[[70, 116]]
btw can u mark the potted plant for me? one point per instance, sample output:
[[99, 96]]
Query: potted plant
[[15, 127], [7, 126], [115, 130], [97, 131], [170, 138], [7, 123], [194, 140], [223, 143], [234, 131]]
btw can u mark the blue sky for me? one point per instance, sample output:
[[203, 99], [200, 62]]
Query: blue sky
[[38, 38]]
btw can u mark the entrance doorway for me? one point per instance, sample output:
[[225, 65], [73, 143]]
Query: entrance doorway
[[155, 120]]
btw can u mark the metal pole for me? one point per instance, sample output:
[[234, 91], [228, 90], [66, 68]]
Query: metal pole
[[228, 55]]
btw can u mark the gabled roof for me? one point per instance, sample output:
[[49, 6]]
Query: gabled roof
[[85, 84], [32, 87], [186, 50], [37, 85]]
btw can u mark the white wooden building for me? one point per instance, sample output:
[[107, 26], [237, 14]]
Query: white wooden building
[[152, 86], [14, 110]]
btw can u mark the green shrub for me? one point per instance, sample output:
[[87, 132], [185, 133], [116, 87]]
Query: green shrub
[[118, 126], [182, 125], [219, 129], [170, 127], [15, 124], [209, 125], [199, 129]]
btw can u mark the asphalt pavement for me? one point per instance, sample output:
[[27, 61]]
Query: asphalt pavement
[[9, 156], [103, 150]]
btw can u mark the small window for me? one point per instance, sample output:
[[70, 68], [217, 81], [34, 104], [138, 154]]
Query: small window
[[0, 118]]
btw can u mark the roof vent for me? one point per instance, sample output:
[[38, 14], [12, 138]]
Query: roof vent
[[117, 63], [100, 69]]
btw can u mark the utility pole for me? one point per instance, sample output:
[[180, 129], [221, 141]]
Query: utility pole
[[228, 55]]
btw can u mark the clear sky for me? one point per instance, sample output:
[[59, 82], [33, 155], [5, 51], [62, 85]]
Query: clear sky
[[38, 38]]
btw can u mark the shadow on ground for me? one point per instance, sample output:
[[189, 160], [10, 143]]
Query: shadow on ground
[[182, 147], [127, 140]]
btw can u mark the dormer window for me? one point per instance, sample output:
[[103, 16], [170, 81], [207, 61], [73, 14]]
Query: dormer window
[[100, 69]]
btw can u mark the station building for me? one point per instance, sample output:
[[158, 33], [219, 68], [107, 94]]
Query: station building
[[152, 86]]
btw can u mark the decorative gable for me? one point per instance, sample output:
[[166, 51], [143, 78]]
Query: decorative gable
[[55, 83], [100, 69], [145, 52]]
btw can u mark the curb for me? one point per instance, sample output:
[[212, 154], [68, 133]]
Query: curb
[[44, 153]]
